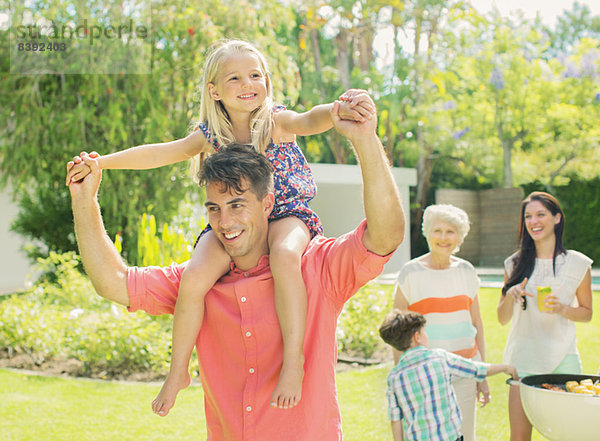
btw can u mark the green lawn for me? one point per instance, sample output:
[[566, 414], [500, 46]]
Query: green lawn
[[48, 409]]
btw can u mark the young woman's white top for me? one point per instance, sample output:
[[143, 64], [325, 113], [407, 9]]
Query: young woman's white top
[[537, 341]]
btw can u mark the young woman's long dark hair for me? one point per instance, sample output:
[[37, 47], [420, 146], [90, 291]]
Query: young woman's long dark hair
[[524, 260]]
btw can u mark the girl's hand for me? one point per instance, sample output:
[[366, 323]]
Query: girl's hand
[[483, 392], [358, 113], [356, 105], [354, 96], [553, 305], [518, 293], [77, 169]]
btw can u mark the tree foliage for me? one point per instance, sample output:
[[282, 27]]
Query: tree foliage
[[466, 99], [48, 118]]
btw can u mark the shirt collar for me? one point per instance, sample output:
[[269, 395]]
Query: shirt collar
[[412, 352], [263, 262]]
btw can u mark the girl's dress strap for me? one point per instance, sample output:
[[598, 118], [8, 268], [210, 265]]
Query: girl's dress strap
[[209, 135]]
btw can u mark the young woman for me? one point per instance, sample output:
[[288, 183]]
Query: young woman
[[542, 340]]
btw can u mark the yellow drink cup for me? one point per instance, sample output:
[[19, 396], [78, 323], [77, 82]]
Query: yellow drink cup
[[542, 293]]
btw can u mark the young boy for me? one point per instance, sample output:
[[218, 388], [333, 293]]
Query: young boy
[[419, 386]]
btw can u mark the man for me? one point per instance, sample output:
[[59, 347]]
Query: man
[[240, 346]]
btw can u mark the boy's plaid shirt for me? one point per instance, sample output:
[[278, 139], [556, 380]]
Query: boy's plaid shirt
[[420, 392]]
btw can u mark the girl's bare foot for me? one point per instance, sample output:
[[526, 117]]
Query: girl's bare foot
[[165, 399], [288, 391]]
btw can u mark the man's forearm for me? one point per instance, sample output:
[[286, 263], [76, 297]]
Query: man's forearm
[[103, 264], [383, 207]]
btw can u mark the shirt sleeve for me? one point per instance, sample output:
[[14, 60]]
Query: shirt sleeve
[[154, 289], [508, 264], [394, 410], [344, 264], [579, 265], [474, 282], [464, 367]]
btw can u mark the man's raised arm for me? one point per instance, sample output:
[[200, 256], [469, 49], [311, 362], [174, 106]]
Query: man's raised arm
[[381, 198], [103, 264]]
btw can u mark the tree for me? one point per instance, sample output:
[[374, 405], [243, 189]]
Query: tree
[[50, 117]]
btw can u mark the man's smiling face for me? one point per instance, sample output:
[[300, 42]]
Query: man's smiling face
[[240, 221]]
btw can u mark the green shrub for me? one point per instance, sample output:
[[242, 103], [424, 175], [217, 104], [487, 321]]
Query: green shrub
[[28, 326], [116, 342], [357, 331], [161, 249], [63, 317]]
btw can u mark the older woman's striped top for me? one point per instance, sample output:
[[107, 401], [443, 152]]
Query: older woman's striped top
[[444, 297]]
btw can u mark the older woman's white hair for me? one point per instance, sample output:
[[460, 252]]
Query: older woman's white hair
[[449, 214]]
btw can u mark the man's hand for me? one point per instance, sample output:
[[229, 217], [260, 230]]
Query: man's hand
[[356, 105], [87, 187], [77, 169], [355, 130]]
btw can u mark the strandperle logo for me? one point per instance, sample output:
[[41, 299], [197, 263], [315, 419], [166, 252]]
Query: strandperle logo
[[91, 37], [82, 31]]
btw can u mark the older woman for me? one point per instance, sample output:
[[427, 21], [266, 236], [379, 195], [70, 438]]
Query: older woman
[[444, 288]]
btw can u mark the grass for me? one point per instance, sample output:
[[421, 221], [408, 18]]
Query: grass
[[43, 408]]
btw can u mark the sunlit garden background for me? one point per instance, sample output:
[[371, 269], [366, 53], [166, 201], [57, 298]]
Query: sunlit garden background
[[470, 100]]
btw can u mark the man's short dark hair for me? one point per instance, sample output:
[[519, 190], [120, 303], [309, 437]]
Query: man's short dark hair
[[236, 166], [398, 328]]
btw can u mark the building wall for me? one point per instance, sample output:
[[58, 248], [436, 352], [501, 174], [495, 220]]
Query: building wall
[[14, 266], [339, 203]]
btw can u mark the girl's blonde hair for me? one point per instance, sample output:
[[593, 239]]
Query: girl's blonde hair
[[214, 114]]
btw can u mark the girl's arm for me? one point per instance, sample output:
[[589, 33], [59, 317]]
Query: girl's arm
[[146, 156], [583, 311], [149, 156], [318, 119]]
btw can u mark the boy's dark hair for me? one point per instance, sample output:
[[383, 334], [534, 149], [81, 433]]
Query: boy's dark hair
[[236, 166], [398, 328]]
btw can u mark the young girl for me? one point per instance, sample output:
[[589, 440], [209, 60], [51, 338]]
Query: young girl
[[237, 107], [542, 339]]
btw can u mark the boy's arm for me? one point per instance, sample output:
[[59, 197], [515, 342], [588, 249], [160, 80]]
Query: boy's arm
[[397, 430], [145, 157], [494, 369]]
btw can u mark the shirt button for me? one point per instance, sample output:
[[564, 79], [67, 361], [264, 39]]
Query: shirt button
[[243, 299], [249, 408], [245, 274], [251, 370], [248, 333]]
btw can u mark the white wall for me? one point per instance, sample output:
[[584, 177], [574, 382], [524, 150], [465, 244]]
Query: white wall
[[339, 202], [14, 266]]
